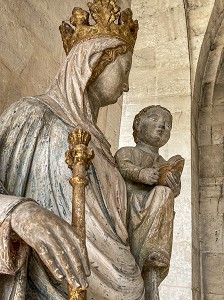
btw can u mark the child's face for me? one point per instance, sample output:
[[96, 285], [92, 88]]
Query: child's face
[[154, 128]]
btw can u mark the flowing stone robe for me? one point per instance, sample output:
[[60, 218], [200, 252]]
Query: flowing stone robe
[[150, 215], [33, 141]]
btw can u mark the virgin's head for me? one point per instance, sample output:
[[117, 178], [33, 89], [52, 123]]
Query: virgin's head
[[97, 68], [110, 76], [111, 68]]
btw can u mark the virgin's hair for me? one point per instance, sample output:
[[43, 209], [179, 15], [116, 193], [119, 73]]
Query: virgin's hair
[[108, 56], [141, 114]]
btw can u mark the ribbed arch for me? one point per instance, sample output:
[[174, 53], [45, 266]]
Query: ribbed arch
[[208, 98]]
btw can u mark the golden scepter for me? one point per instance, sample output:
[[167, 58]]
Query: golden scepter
[[78, 158]]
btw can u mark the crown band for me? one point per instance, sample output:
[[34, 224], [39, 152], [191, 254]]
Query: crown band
[[104, 13]]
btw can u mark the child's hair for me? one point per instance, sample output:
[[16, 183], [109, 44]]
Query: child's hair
[[138, 117]]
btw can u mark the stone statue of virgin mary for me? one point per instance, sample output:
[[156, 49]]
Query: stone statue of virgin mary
[[39, 251]]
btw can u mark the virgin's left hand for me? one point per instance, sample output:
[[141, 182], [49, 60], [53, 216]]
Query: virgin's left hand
[[173, 182]]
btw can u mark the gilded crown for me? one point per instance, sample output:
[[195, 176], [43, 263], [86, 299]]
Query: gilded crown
[[105, 13]]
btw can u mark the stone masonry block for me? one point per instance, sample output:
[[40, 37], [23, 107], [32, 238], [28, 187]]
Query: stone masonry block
[[213, 297], [196, 269], [170, 25], [211, 161], [213, 268], [142, 84], [205, 116], [205, 135], [212, 206], [172, 54], [212, 234], [148, 36], [145, 57], [173, 82], [218, 134], [211, 115], [145, 8], [211, 181], [175, 293], [210, 192]]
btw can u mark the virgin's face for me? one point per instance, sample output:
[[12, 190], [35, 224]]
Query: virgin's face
[[154, 128], [112, 82]]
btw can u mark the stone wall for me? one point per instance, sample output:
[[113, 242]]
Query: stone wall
[[161, 75], [31, 47]]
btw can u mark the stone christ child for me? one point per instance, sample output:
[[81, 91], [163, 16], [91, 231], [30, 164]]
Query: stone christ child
[[152, 184]]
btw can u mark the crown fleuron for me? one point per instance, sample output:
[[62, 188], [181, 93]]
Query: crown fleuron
[[104, 13]]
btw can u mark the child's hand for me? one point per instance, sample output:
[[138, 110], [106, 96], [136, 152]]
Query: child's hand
[[149, 176], [173, 182]]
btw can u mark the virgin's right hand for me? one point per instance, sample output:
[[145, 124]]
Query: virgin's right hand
[[149, 176], [56, 242]]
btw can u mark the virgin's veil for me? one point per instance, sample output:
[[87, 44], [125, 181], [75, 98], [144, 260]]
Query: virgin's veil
[[67, 96]]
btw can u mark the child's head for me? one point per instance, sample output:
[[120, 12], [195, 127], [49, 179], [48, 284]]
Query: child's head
[[152, 126]]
